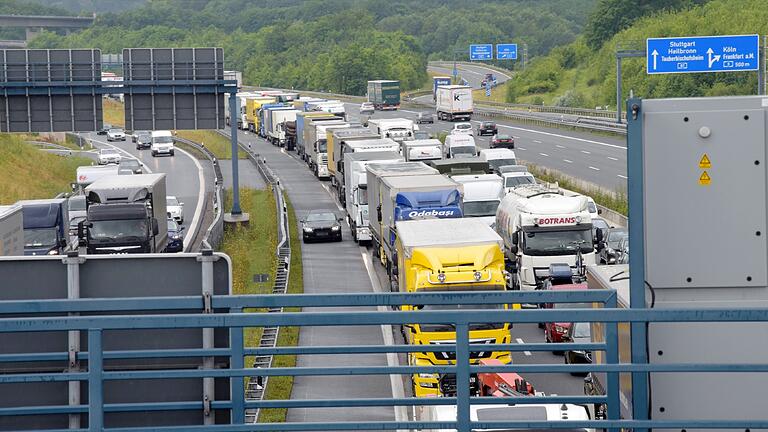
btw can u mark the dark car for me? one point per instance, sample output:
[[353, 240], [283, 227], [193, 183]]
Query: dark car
[[143, 141], [608, 247], [136, 134], [131, 164], [175, 237], [321, 225], [503, 141], [579, 333], [599, 224], [425, 117], [622, 252], [104, 129], [487, 128]]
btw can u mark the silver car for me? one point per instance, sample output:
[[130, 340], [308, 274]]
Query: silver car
[[108, 156]]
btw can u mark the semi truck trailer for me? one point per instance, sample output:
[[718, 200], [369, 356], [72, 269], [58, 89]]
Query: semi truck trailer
[[275, 120], [384, 94], [127, 214], [252, 106], [317, 152], [454, 102], [302, 120], [336, 140], [437, 82]]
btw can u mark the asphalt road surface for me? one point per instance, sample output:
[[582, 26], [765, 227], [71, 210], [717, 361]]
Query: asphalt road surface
[[474, 73]]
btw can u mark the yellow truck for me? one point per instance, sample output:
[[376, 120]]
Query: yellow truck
[[449, 255], [252, 106]]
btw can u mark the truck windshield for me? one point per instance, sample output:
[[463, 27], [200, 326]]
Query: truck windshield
[[518, 180], [495, 163], [126, 230], [77, 203], [362, 195], [163, 140], [480, 208], [451, 327], [39, 237], [557, 242], [322, 146]]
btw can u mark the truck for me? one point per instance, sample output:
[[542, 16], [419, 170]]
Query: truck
[[336, 142], [422, 149], [399, 129], [355, 187], [236, 76], [384, 94], [482, 196], [301, 103], [290, 134], [347, 146], [261, 130], [87, 174], [46, 226], [317, 152], [406, 191], [302, 120], [437, 82], [448, 255], [11, 230], [540, 226], [454, 102], [333, 107], [460, 166], [252, 106], [287, 97], [240, 109], [459, 146], [275, 120], [127, 214]]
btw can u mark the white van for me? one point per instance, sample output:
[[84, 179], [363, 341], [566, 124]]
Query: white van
[[459, 146], [498, 157], [162, 143]]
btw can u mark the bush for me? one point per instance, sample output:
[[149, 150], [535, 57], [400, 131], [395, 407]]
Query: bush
[[538, 100], [511, 94], [570, 99]]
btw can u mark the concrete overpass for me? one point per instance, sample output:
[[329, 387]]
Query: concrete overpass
[[34, 24]]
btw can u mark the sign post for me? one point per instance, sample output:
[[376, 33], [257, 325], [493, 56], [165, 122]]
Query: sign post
[[702, 54], [481, 52]]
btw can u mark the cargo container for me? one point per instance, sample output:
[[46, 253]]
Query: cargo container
[[454, 102]]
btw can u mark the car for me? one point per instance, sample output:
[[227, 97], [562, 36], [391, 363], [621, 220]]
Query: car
[[462, 129], [503, 141], [131, 164], [622, 252], [592, 207], [108, 156], [143, 141], [367, 108], [115, 134], [175, 237], [104, 129], [321, 225], [175, 208], [425, 117], [487, 128], [556, 332], [608, 247], [579, 333], [135, 135], [599, 225]]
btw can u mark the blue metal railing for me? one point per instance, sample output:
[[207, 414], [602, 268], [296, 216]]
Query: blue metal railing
[[97, 374]]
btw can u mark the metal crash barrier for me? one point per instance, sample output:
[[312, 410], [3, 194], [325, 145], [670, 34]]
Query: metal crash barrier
[[101, 370]]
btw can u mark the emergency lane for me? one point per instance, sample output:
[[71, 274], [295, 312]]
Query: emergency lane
[[329, 268], [184, 178]]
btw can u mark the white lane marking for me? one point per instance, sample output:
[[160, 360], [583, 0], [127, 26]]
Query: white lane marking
[[520, 148], [565, 137], [593, 168], [520, 341], [146, 168], [559, 146], [568, 161], [612, 158], [409, 112], [621, 176], [327, 189], [544, 154], [586, 152], [536, 141], [194, 225]]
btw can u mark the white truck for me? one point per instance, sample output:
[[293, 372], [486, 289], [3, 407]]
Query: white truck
[[454, 102], [87, 174], [515, 175], [422, 149], [275, 122], [502, 412], [317, 148], [540, 226], [459, 146], [356, 189], [359, 146], [482, 195], [11, 231], [333, 107], [398, 129]]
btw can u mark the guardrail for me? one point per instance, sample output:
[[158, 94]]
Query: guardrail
[[214, 234], [585, 112], [102, 414]]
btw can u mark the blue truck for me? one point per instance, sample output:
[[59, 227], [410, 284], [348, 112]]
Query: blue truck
[[46, 226], [439, 81], [407, 191]]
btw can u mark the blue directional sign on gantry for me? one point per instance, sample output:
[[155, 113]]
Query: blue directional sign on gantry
[[481, 52], [506, 52], [702, 54]]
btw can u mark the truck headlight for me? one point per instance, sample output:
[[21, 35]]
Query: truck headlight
[[441, 277], [428, 375], [478, 275]]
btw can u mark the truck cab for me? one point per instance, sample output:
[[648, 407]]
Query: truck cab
[[482, 195], [449, 255], [515, 175], [398, 129], [459, 146], [46, 226]]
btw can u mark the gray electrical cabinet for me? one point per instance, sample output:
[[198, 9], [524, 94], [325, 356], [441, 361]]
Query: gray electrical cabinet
[[706, 246]]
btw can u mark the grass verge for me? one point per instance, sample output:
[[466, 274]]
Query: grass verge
[[114, 112], [614, 200], [218, 144], [28, 173]]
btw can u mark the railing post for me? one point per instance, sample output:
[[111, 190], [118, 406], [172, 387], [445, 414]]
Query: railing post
[[73, 262], [613, 388], [95, 381], [462, 378], [237, 386], [206, 260]]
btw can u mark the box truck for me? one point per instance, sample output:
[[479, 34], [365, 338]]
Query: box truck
[[358, 146], [384, 94], [335, 143], [275, 120], [11, 231], [454, 102], [317, 151]]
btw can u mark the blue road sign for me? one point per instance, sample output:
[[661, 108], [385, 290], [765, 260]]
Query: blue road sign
[[506, 52], [702, 54], [481, 52]]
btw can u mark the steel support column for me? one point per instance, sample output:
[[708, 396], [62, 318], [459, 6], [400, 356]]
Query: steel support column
[[462, 378], [235, 174], [95, 381]]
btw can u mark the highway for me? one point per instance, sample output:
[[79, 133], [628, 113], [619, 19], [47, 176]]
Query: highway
[[185, 178], [473, 73], [596, 159]]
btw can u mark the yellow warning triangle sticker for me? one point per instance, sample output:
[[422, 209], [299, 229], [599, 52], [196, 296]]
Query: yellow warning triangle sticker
[[704, 179], [705, 163]]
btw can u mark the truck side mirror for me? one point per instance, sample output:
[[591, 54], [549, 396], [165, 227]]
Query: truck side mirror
[[513, 249], [339, 167], [378, 212], [515, 237], [599, 235], [155, 227]]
